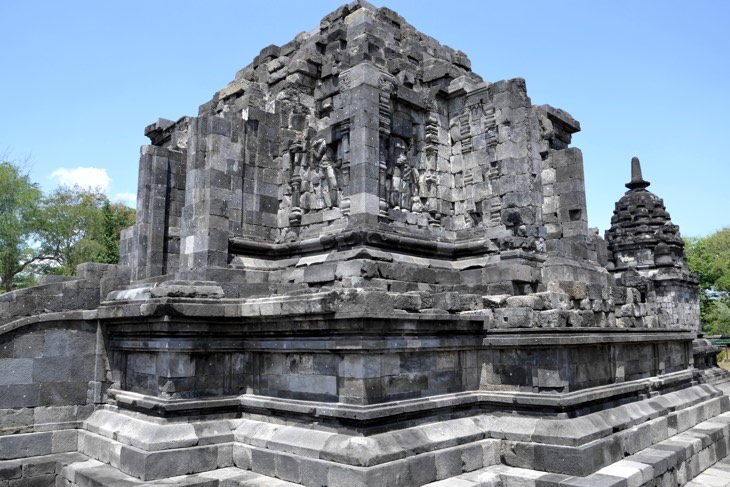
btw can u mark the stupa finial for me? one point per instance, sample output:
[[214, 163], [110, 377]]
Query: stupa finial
[[637, 181]]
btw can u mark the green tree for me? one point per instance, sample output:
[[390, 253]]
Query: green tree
[[20, 206], [81, 225], [69, 216], [52, 234], [115, 217], [718, 318], [709, 258]]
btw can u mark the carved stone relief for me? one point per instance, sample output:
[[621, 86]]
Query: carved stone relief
[[402, 177], [319, 175]]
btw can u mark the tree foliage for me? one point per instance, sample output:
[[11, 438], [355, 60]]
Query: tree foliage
[[20, 207], [70, 216], [54, 233], [115, 217], [709, 258], [81, 225]]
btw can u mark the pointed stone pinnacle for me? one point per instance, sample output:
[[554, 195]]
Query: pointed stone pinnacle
[[637, 181]]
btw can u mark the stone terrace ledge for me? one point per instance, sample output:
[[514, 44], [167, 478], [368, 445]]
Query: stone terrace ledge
[[550, 445], [560, 406]]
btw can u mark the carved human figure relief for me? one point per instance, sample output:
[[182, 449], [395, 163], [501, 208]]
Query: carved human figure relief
[[328, 171], [318, 178], [311, 198], [402, 177]]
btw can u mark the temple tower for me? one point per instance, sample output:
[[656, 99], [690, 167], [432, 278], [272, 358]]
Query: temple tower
[[646, 253]]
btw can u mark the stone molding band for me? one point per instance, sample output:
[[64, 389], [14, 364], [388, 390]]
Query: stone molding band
[[361, 237]]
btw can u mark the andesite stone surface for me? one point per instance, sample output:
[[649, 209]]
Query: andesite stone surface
[[361, 264]]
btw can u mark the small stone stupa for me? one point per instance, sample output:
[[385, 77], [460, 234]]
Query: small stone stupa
[[646, 252], [361, 264]]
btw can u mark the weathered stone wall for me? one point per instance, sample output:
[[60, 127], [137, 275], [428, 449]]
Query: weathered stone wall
[[567, 368], [368, 378], [52, 360], [677, 304], [364, 124], [53, 375], [176, 375], [51, 364], [84, 291], [564, 206]]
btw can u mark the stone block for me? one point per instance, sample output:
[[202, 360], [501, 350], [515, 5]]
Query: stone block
[[10, 470], [19, 395], [528, 301], [65, 440], [57, 414], [339, 475], [40, 467], [595, 480], [550, 378], [448, 463], [472, 457], [288, 467], [360, 366], [167, 463], [659, 460], [16, 421], [565, 460], [63, 393], [514, 318], [314, 472], [67, 343], [149, 437], [170, 365], [28, 345], [16, 371], [25, 445], [319, 273], [264, 461], [422, 469], [52, 369]]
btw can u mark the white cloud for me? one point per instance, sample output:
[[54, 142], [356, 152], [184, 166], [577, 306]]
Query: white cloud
[[129, 199], [85, 177]]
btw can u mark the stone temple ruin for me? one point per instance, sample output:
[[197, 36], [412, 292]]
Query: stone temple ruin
[[363, 265]]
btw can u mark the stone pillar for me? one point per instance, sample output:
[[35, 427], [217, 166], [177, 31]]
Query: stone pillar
[[565, 208], [212, 160], [148, 256], [517, 158], [360, 88]]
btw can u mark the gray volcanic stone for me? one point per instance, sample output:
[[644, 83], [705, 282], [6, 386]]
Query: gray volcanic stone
[[362, 264]]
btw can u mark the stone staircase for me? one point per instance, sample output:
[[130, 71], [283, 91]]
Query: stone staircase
[[94, 473], [693, 458], [687, 446], [716, 476], [76, 469]]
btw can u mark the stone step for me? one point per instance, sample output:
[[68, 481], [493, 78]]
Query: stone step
[[716, 476], [36, 470], [477, 478], [90, 472], [696, 457]]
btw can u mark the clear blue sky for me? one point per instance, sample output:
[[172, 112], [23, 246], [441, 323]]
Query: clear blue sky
[[81, 79]]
